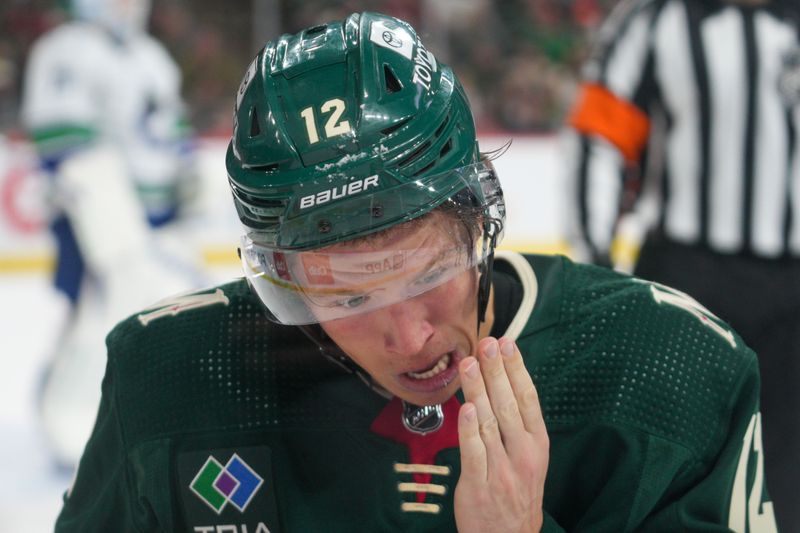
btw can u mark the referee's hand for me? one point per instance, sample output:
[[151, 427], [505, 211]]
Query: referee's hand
[[504, 443]]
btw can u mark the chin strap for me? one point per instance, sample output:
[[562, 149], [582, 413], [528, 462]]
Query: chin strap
[[485, 281], [335, 355], [331, 351], [417, 419]]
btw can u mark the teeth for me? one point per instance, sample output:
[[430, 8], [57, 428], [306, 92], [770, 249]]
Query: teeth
[[440, 367]]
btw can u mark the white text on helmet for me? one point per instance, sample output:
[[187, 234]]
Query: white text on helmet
[[354, 187], [424, 64]]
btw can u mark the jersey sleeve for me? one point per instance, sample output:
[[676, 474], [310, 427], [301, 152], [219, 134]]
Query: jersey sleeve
[[608, 126], [651, 405], [733, 490]]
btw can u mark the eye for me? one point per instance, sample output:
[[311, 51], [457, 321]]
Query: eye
[[354, 301]]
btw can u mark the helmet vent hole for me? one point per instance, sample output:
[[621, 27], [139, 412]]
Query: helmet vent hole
[[418, 152], [442, 126], [394, 127], [393, 84], [424, 169], [255, 128], [264, 168], [310, 32], [446, 148]]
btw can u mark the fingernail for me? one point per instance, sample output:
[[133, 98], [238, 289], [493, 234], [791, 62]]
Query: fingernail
[[472, 369], [491, 349], [507, 348]]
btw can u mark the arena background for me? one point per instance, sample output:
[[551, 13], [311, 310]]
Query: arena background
[[518, 61]]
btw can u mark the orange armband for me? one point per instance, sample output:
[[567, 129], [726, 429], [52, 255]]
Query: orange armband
[[601, 112]]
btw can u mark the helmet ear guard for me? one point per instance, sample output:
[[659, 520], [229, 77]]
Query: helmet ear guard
[[484, 285]]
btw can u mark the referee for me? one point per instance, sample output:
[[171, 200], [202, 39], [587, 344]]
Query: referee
[[688, 122]]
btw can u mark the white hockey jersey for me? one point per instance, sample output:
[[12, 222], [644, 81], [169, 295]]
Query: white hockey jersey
[[82, 84], [108, 121]]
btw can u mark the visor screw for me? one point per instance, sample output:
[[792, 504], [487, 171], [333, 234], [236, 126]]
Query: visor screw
[[376, 211], [324, 226]]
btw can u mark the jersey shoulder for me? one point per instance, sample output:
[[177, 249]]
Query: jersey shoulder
[[629, 352], [206, 361], [193, 317]]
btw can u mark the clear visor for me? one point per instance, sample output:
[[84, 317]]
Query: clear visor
[[304, 287]]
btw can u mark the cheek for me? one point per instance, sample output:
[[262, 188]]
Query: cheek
[[349, 333]]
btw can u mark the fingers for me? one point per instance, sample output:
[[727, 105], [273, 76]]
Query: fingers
[[501, 388], [524, 390], [504, 403], [472, 383], [473, 452], [503, 442], [496, 391]]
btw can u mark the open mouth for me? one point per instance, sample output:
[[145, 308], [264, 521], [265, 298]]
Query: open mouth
[[438, 367], [435, 377]]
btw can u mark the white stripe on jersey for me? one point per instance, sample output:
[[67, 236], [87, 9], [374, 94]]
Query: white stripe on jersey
[[625, 66], [676, 75], [725, 60], [794, 191], [602, 214], [770, 169], [727, 187]]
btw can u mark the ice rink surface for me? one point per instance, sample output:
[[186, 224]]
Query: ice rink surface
[[30, 495]]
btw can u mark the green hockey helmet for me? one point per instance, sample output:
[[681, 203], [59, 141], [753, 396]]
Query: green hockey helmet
[[343, 130]]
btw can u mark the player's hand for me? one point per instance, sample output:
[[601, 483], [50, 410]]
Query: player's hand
[[503, 441]]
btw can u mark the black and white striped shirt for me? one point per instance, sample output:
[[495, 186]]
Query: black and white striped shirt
[[704, 96]]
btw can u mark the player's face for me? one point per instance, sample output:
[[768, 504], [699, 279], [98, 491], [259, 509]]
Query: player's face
[[412, 348]]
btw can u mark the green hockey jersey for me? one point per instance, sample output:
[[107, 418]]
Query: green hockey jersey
[[215, 420]]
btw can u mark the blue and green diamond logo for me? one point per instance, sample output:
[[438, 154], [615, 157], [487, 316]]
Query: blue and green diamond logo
[[217, 485]]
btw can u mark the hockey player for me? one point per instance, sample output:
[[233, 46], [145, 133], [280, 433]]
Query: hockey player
[[102, 105], [375, 369]]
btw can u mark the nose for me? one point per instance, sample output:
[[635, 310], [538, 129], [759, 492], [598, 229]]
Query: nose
[[409, 327]]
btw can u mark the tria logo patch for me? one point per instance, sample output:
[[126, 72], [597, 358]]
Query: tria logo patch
[[235, 483], [223, 489]]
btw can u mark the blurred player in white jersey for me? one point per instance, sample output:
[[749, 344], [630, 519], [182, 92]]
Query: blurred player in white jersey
[[102, 105]]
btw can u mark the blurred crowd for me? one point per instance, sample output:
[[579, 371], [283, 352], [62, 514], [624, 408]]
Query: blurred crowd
[[518, 59]]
